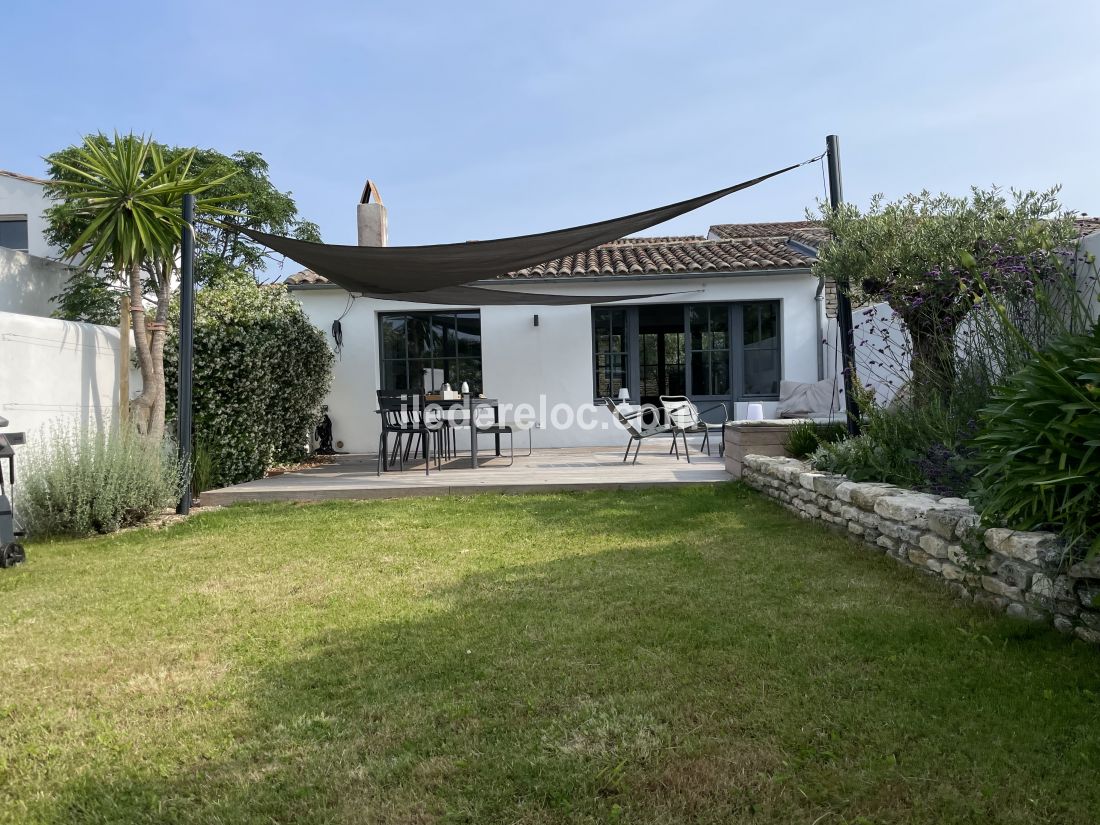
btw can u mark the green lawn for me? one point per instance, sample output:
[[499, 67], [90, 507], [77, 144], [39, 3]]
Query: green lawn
[[693, 655]]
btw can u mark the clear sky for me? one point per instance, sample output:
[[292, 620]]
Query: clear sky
[[487, 119]]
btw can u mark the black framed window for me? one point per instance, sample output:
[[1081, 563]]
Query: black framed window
[[420, 351], [611, 358], [714, 350], [13, 233], [709, 333], [760, 349]]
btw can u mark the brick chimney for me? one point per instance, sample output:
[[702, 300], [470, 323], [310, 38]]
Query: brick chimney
[[373, 224]]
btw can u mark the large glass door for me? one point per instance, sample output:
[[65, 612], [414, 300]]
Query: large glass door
[[661, 353]]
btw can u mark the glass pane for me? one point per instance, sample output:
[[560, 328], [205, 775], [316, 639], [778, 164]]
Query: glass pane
[[601, 328], [719, 326], [419, 337], [698, 320], [700, 373], [769, 325], [469, 370], [442, 328], [761, 372], [393, 336], [394, 376], [13, 233], [468, 334], [719, 373]]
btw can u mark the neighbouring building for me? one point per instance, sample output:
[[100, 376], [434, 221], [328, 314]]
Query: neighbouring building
[[50, 370]]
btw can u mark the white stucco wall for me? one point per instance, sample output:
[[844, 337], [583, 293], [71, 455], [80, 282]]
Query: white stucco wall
[[29, 283], [24, 197], [54, 369], [522, 362]]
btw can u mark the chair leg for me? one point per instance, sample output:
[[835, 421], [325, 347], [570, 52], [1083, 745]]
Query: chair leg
[[636, 451], [706, 442], [675, 445], [381, 453], [629, 444], [687, 452]]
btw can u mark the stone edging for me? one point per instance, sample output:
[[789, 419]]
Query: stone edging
[[1011, 571]]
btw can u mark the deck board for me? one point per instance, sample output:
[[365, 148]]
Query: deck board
[[546, 470]]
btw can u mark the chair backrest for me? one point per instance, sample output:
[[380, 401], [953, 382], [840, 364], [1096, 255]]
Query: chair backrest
[[679, 411], [630, 423], [394, 409]]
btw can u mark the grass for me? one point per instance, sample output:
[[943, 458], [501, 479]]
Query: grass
[[671, 656]]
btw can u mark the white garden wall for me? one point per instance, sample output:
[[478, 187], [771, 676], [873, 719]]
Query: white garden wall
[[52, 370]]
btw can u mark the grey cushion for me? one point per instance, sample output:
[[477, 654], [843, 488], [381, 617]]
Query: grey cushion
[[808, 400]]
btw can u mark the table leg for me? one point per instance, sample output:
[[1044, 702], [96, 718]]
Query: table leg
[[496, 420], [473, 433]]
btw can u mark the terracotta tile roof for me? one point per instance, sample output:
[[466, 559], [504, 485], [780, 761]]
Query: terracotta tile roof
[[1087, 225], [18, 176], [659, 256], [669, 255], [307, 277]]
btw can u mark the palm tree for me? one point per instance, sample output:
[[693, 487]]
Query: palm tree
[[130, 198]]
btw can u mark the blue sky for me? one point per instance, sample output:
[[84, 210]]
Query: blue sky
[[483, 119]]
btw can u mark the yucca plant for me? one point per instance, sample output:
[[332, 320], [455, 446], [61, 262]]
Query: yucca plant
[[1039, 448], [128, 197]]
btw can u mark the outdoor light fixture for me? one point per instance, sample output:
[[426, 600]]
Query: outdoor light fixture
[[624, 395], [536, 320], [755, 412]]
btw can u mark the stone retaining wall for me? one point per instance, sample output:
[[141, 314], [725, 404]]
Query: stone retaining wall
[[1015, 572]]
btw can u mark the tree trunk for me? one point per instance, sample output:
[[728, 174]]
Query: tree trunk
[[933, 357], [147, 410]]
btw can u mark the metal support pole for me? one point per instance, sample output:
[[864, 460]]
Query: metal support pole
[[187, 328], [843, 301]]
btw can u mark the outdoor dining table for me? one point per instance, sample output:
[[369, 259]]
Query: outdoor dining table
[[469, 402]]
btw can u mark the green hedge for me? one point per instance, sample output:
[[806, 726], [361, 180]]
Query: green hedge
[[261, 372]]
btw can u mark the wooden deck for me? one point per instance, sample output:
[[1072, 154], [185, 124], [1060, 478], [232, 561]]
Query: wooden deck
[[353, 477]]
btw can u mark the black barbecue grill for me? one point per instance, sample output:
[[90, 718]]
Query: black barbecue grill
[[11, 552]]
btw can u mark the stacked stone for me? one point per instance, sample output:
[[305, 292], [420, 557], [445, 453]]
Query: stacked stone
[[1020, 573]]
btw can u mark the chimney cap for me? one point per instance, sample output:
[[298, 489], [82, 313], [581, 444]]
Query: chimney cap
[[369, 191]]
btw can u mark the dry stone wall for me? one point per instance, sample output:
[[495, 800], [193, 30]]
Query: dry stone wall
[[1021, 574]]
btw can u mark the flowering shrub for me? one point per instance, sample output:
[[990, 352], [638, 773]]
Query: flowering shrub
[[78, 481], [261, 371], [930, 258]]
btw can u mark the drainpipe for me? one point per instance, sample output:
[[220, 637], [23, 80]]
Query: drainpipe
[[819, 303]]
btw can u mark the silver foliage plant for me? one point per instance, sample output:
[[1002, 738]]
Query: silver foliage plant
[[78, 481]]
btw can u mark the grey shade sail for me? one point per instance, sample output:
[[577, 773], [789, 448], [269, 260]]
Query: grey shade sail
[[388, 271], [475, 296]]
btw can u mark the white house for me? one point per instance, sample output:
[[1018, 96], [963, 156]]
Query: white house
[[28, 278], [729, 316]]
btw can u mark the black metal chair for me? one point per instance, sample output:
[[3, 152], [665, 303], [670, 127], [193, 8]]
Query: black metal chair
[[403, 415]]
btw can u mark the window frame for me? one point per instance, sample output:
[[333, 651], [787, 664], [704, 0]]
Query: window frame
[[23, 219], [736, 365], [426, 316]]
